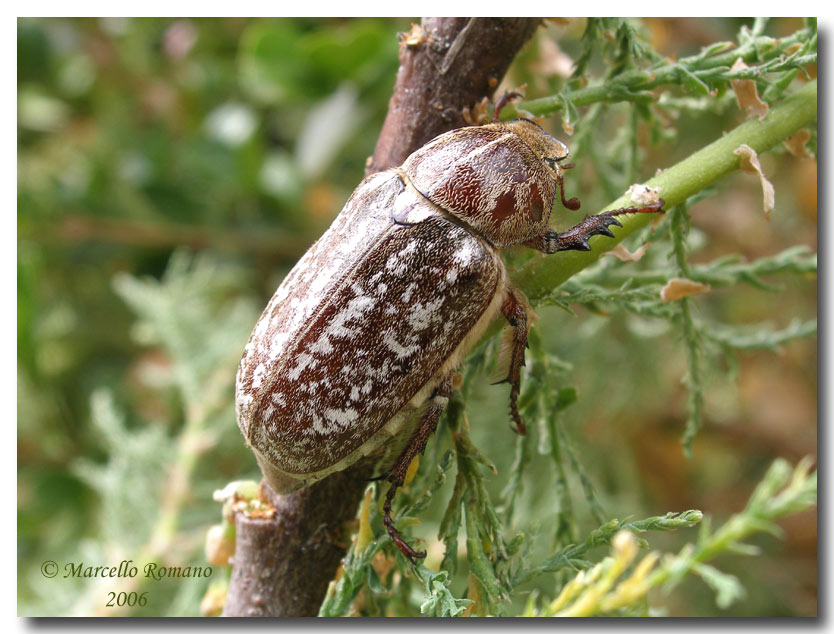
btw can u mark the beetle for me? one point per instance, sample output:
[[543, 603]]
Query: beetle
[[356, 350]]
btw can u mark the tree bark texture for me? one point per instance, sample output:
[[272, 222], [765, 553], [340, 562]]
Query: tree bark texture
[[453, 66], [283, 565]]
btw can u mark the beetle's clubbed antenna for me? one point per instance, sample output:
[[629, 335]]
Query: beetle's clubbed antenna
[[503, 101], [573, 203]]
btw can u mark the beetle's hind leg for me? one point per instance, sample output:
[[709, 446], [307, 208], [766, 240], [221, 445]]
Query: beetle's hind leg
[[515, 313], [416, 445], [576, 238]]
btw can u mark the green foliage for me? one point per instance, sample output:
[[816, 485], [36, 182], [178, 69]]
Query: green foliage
[[773, 63], [172, 314], [144, 485], [241, 139], [641, 295], [604, 589], [127, 520], [502, 559], [357, 572], [440, 601]]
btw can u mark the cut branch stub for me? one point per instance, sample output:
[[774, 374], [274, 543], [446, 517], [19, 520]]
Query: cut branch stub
[[282, 565]]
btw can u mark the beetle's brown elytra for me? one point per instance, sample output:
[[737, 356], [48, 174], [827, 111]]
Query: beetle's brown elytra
[[356, 350]]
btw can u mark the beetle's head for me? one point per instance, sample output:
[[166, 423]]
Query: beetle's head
[[550, 151]]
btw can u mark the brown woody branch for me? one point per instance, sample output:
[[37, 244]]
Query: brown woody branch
[[451, 65], [282, 566]]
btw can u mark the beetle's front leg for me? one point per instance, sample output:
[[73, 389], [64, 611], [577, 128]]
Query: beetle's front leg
[[515, 313], [576, 238], [416, 445]]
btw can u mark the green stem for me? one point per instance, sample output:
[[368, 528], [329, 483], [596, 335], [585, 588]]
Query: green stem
[[542, 274], [634, 85]]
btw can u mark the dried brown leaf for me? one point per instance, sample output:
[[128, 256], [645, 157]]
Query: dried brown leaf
[[747, 95], [750, 163], [796, 143], [678, 288], [624, 255], [416, 36], [643, 195], [478, 114]]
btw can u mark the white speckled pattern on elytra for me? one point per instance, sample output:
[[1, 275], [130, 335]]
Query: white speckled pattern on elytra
[[358, 329]]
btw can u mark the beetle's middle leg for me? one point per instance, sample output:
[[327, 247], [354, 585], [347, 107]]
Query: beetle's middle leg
[[515, 313], [416, 445], [576, 238]]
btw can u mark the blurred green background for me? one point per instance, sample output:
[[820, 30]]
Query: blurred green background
[[170, 173]]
